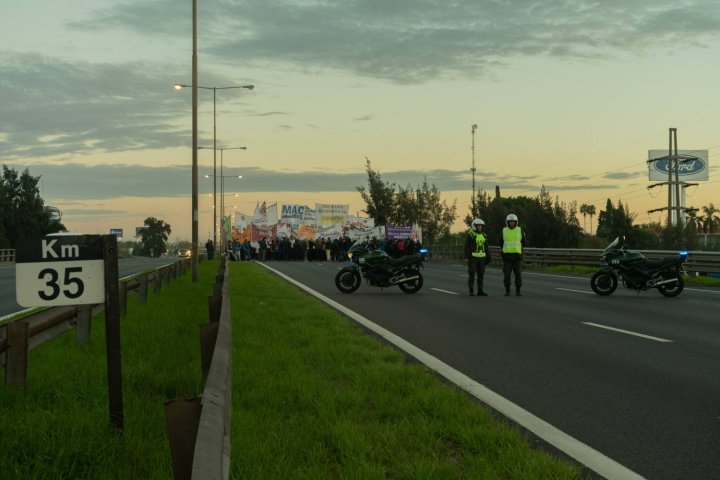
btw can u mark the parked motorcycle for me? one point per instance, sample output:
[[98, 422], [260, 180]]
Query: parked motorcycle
[[637, 272], [380, 270]]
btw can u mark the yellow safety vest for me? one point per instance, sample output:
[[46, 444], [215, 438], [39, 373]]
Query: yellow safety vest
[[480, 239], [512, 238]]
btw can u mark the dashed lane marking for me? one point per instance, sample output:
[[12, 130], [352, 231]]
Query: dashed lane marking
[[576, 291], [628, 332], [444, 291]]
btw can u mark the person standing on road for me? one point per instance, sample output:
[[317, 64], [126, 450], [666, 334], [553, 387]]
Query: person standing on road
[[476, 256], [512, 246]]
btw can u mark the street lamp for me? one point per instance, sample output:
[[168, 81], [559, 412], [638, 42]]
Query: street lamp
[[214, 148], [180, 86]]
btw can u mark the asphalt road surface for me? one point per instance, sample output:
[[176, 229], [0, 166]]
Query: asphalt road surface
[[127, 266], [634, 376]]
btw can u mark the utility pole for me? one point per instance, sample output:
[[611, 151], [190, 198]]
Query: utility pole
[[472, 131]]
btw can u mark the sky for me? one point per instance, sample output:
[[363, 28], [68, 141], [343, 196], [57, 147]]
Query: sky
[[566, 94]]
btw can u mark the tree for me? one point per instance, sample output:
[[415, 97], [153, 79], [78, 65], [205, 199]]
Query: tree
[[710, 220], [591, 211], [22, 209], [153, 237], [584, 213], [434, 216], [379, 197]]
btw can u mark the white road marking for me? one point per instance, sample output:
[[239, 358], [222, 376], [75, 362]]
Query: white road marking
[[593, 459], [444, 291], [628, 332], [576, 291]]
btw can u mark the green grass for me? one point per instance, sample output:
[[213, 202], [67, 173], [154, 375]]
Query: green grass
[[313, 398], [316, 398], [59, 428]]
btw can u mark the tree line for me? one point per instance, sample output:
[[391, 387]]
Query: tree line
[[22, 210]]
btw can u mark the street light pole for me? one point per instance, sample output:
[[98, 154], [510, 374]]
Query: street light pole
[[194, 86], [194, 255]]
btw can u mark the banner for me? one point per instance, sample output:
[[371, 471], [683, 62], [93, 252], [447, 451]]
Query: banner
[[693, 165], [243, 227], [294, 214], [331, 214], [397, 231]]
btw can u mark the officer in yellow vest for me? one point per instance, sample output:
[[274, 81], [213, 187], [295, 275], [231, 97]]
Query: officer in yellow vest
[[512, 247], [476, 255]]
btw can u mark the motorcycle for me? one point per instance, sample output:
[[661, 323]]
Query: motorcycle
[[380, 270], [637, 272]]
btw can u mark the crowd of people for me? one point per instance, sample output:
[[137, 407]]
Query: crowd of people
[[320, 249]]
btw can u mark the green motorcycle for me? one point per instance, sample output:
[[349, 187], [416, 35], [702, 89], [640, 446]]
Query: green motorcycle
[[637, 272], [380, 270]]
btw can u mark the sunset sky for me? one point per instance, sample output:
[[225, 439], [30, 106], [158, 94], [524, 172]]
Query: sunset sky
[[566, 94]]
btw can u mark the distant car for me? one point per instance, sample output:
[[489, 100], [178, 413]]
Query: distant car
[[185, 253], [53, 213]]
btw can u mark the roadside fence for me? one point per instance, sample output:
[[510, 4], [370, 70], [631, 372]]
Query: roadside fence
[[199, 427], [7, 255], [698, 262], [36, 327]]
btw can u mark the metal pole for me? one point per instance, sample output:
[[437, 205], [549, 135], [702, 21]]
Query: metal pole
[[677, 182], [669, 167], [214, 169], [222, 202], [194, 256], [473, 128]]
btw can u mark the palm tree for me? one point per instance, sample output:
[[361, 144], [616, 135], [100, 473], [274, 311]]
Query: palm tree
[[710, 220], [583, 210], [591, 211]]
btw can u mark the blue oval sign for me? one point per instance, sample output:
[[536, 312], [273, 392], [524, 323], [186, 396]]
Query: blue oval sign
[[687, 167]]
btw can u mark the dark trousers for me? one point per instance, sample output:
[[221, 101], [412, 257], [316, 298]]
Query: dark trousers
[[476, 267], [512, 264]]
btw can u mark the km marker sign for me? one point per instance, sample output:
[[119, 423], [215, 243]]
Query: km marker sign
[[63, 270]]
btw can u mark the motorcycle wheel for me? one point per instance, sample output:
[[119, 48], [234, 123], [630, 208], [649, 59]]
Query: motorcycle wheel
[[603, 283], [413, 285], [674, 289], [347, 281]]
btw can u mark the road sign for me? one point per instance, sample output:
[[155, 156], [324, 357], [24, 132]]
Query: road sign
[[60, 270], [118, 232]]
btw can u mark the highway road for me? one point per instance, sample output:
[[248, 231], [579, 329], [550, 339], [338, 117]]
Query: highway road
[[127, 266], [636, 377]]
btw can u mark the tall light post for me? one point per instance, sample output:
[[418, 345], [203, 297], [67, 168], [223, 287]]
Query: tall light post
[[179, 86], [215, 185]]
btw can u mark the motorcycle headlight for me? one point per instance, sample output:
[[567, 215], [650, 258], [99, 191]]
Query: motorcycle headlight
[[423, 251], [683, 253], [350, 255]]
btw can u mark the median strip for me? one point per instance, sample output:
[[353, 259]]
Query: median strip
[[628, 332]]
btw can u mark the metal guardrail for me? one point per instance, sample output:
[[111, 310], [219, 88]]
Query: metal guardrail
[[45, 324], [199, 428], [699, 262], [7, 255]]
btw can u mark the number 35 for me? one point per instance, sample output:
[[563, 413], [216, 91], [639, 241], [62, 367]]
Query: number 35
[[52, 283]]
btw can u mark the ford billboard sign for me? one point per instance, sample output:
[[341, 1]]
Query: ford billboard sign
[[693, 165]]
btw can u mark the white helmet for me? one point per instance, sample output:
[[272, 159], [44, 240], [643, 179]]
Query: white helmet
[[511, 218], [476, 222]]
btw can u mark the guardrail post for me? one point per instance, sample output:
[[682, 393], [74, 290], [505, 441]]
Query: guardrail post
[[16, 362], [123, 299], [158, 280], [208, 338], [143, 288], [166, 275], [183, 418], [84, 317]]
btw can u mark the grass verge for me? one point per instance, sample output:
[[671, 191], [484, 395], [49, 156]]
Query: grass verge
[[313, 398], [59, 427], [316, 398]]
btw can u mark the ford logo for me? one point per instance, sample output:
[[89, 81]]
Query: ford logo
[[688, 167]]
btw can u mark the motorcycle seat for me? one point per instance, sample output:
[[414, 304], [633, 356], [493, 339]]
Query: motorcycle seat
[[396, 262], [660, 264]]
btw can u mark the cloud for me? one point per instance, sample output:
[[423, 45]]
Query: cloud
[[624, 175], [51, 107], [406, 41]]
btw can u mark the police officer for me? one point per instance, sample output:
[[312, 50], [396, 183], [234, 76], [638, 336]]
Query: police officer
[[476, 255], [513, 243]]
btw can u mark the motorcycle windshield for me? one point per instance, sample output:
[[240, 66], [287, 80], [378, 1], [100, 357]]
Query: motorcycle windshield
[[613, 245]]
